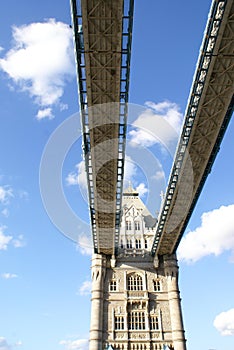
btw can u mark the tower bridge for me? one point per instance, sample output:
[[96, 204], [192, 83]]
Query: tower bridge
[[135, 294]]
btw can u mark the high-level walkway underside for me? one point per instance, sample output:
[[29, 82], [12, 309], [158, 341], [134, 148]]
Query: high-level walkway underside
[[102, 31], [209, 110]]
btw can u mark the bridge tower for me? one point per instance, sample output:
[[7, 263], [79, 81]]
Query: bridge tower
[[135, 297]]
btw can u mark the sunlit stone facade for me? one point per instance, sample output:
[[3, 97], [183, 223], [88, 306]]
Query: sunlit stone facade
[[135, 298]]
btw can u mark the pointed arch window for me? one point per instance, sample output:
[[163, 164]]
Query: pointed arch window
[[135, 282], [137, 225]]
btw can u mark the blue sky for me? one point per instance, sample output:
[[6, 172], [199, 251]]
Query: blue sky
[[45, 277]]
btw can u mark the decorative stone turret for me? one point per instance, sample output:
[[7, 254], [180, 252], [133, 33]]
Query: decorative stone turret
[[96, 324], [171, 272]]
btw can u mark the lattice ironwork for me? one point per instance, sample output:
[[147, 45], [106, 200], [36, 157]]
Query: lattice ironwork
[[209, 110], [102, 34]]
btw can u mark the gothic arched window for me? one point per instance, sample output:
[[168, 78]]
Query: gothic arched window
[[137, 225], [135, 282]]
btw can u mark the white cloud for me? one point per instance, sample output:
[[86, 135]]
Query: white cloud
[[41, 61], [19, 242], [214, 236], [6, 192], [78, 177], [4, 239], [159, 175], [169, 111], [84, 244], [81, 177], [19, 343], [159, 124], [79, 344], [130, 170], [141, 189], [72, 179], [3, 344], [140, 137], [63, 106], [5, 212], [8, 275], [23, 194], [44, 113], [86, 288], [224, 322]]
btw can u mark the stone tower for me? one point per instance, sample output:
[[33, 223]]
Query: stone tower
[[135, 297]]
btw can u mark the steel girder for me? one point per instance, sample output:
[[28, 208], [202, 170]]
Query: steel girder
[[102, 35], [209, 109]]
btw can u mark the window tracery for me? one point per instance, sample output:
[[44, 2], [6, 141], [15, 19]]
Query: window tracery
[[136, 320], [135, 282]]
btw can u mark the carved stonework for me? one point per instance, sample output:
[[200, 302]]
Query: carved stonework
[[154, 335], [137, 294], [139, 336], [119, 335]]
